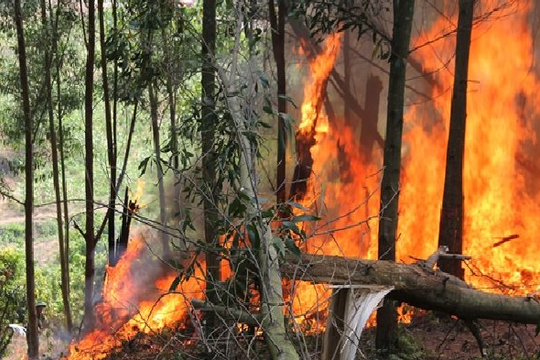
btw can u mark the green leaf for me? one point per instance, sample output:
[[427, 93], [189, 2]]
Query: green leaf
[[291, 246], [297, 205], [305, 217], [292, 226], [268, 213], [267, 109], [175, 283], [264, 80], [253, 235], [143, 165], [288, 99], [278, 244]]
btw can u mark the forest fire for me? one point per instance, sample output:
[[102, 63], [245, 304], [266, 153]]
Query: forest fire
[[136, 299], [501, 196]]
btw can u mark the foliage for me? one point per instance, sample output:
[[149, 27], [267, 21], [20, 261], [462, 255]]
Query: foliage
[[363, 17], [409, 347], [12, 293]]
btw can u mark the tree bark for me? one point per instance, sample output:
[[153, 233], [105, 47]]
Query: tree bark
[[65, 282], [176, 208], [278, 44], [152, 92], [303, 33], [416, 285], [451, 223], [48, 54], [270, 280], [32, 330], [403, 15], [111, 155], [269, 276], [209, 119], [89, 167]]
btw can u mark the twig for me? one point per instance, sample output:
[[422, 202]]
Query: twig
[[505, 239]]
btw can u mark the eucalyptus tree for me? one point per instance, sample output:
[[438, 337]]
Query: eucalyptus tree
[[277, 21], [403, 11], [365, 17], [50, 46], [89, 166], [451, 223], [32, 329]]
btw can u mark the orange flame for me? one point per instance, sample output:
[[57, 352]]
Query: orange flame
[[502, 196], [320, 67], [136, 299]]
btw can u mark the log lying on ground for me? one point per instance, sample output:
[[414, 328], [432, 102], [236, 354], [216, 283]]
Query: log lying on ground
[[415, 284]]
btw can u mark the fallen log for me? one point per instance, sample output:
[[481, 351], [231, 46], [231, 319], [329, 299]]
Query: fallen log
[[415, 284]]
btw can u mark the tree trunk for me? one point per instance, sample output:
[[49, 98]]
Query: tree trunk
[[369, 134], [65, 274], [416, 285], [89, 165], [451, 224], [111, 155], [303, 33], [403, 15], [278, 44], [176, 209], [128, 146], [209, 120], [32, 330], [347, 111], [51, 38], [154, 115], [270, 280]]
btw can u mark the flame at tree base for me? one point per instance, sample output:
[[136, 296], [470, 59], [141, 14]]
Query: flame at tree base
[[135, 300]]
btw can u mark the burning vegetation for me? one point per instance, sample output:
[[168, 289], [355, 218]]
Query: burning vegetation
[[137, 298], [227, 283]]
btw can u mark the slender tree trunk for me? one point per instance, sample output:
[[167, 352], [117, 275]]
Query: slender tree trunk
[[176, 210], [128, 146], [152, 91], [89, 165], [209, 120], [65, 280], [51, 38], [278, 44], [390, 187], [451, 225], [347, 111], [111, 156], [270, 280], [32, 334]]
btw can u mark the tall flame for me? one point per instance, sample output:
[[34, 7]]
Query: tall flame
[[501, 194], [501, 197], [314, 94]]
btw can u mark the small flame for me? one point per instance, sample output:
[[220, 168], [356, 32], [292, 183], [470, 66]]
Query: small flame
[[139, 191]]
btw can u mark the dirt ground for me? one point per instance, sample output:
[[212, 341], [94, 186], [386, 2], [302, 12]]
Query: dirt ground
[[427, 337]]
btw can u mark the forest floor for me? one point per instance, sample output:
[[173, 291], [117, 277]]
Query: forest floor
[[430, 337], [427, 337]]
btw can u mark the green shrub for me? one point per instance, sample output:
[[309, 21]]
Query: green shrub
[[12, 233], [12, 293]]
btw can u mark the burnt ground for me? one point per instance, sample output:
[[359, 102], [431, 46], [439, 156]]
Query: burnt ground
[[427, 337]]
